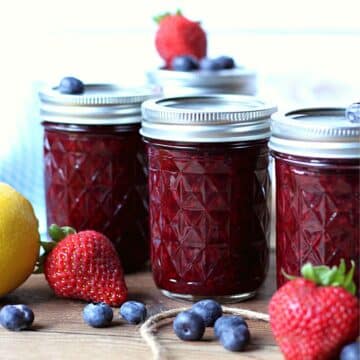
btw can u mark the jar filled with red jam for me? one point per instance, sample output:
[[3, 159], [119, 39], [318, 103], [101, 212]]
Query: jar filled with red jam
[[208, 194], [95, 170], [317, 170]]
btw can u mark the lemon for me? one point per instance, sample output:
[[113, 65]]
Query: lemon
[[19, 239]]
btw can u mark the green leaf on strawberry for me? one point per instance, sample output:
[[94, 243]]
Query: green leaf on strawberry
[[335, 276], [349, 283], [323, 275], [160, 17], [58, 233]]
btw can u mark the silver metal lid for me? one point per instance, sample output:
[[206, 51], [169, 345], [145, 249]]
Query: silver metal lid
[[99, 104], [207, 118], [316, 132], [180, 83]]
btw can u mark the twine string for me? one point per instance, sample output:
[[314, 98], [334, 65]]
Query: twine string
[[159, 353]]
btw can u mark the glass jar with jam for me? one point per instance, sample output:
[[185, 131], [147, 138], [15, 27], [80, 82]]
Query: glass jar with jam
[[317, 170], [208, 194], [95, 169]]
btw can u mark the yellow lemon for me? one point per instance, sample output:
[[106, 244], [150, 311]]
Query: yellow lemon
[[19, 239]]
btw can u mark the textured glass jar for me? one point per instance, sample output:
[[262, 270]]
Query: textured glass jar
[[208, 193], [317, 170], [95, 170]]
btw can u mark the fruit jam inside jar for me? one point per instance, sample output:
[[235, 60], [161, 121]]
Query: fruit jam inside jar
[[95, 167], [208, 195], [317, 190]]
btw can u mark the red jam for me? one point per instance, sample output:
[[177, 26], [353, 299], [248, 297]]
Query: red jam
[[209, 218], [317, 213], [95, 179]]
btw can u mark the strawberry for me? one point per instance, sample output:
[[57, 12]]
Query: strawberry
[[314, 316], [177, 36], [84, 266]]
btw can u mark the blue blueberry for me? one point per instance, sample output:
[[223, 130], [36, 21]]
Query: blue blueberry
[[16, 317], [189, 326], [225, 62], [224, 322], [28, 314], [350, 351], [133, 312], [71, 85], [210, 64], [235, 338], [98, 315], [208, 309], [184, 63]]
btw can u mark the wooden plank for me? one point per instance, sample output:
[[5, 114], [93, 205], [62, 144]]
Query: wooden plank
[[60, 333]]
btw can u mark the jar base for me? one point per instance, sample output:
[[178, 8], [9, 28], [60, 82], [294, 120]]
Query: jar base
[[221, 299]]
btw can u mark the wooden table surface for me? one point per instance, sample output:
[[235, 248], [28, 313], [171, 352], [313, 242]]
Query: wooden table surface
[[60, 333]]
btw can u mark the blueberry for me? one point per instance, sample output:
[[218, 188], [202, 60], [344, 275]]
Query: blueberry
[[133, 312], [28, 314], [350, 351], [235, 338], [184, 63], [98, 315], [189, 326], [71, 85], [224, 322], [210, 64], [208, 309], [16, 317], [225, 62]]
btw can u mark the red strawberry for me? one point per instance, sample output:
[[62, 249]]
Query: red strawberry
[[313, 317], [84, 266], [177, 36]]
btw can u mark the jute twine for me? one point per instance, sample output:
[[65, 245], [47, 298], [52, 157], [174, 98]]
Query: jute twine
[[159, 353]]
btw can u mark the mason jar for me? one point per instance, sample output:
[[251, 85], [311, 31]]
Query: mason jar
[[239, 81], [317, 168], [208, 194], [95, 170]]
